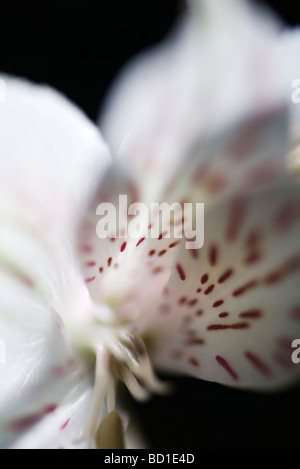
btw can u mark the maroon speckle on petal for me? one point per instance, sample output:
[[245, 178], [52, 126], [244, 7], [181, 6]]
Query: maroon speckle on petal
[[85, 248], [273, 277], [162, 235], [50, 408], [209, 289], [28, 282], [123, 246], [224, 314], [253, 238], [194, 341], [140, 241], [157, 270], [224, 363], [225, 276], [194, 253], [180, 271], [199, 312], [237, 325], [258, 363], [244, 288], [218, 303], [284, 361], [251, 314], [182, 300], [64, 424], [204, 278], [25, 422], [194, 362], [253, 257], [285, 342], [213, 254], [90, 279], [193, 302], [237, 216], [176, 243]]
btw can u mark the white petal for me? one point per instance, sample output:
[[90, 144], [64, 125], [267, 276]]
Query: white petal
[[61, 426], [50, 158], [231, 309], [209, 76], [38, 359]]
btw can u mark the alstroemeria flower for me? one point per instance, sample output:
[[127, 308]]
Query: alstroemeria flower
[[205, 118]]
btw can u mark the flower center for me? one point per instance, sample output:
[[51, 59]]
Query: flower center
[[121, 355]]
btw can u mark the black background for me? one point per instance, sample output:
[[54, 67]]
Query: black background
[[78, 46]]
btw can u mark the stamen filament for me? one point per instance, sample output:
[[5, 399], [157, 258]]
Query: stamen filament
[[103, 389]]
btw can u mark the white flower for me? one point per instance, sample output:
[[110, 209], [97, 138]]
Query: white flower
[[206, 117]]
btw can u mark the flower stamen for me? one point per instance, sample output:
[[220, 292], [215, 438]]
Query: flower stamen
[[123, 358]]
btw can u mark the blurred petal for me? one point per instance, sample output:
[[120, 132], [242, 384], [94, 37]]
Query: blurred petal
[[222, 67], [61, 426], [38, 358], [231, 309], [50, 158]]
